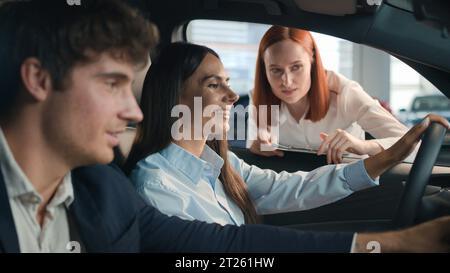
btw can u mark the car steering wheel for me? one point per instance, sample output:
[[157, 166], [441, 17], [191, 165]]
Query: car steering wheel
[[419, 175]]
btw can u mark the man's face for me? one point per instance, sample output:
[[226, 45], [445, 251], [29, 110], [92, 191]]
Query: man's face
[[82, 122]]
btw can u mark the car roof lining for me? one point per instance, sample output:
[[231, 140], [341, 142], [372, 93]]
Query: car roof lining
[[396, 31], [391, 29], [401, 4]]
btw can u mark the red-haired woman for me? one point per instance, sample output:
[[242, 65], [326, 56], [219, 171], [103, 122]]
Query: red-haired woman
[[319, 109]]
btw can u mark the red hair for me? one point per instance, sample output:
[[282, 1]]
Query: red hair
[[318, 95]]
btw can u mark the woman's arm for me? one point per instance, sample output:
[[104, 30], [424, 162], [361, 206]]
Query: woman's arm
[[355, 105], [371, 116], [379, 163], [282, 192]]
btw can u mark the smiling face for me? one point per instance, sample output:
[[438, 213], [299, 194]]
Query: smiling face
[[288, 70], [210, 82], [83, 120]]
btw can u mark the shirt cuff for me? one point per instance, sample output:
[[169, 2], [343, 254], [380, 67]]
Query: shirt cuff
[[352, 249], [357, 177]]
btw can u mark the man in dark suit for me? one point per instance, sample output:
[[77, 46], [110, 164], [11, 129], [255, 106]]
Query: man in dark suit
[[65, 96]]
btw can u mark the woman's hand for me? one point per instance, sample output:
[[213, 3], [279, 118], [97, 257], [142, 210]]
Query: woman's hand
[[335, 144], [263, 146], [379, 163]]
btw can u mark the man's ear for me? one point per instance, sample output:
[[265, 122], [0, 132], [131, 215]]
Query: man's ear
[[35, 78]]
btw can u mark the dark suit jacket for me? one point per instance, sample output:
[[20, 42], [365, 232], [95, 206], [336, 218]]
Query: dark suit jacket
[[111, 217]]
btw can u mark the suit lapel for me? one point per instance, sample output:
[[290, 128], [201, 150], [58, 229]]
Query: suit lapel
[[91, 225], [9, 241]]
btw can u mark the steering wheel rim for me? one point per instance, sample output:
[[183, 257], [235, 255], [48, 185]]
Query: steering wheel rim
[[419, 175]]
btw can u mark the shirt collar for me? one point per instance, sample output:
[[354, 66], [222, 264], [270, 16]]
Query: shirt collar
[[285, 115], [190, 165], [19, 186]]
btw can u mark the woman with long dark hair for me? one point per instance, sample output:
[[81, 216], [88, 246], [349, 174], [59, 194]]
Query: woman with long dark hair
[[182, 166]]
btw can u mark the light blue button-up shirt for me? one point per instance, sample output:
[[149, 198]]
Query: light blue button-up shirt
[[181, 184]]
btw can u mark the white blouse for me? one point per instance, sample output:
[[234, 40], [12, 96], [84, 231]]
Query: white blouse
[[351, 109]]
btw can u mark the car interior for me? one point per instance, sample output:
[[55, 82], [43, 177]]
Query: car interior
[[414, 31]]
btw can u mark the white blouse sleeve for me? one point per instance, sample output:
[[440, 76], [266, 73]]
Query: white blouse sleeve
[[356, 104]]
